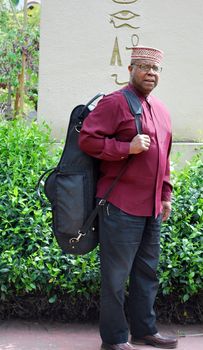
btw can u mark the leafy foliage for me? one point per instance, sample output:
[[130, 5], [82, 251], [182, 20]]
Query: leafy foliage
[[30, 258], [19, 58], [31, 263], [181, 263], [15, 2]]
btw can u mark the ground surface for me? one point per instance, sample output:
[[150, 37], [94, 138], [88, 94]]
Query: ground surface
[[26, 335]]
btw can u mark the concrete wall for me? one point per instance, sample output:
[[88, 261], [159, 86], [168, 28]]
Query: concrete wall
[[84, 46]]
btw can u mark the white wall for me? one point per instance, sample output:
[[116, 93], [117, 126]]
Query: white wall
[[77, 41]]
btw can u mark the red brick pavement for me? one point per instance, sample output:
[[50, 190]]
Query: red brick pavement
[[24, 335]]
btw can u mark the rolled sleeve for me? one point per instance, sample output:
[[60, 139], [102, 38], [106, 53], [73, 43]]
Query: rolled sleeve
[[167, 187]]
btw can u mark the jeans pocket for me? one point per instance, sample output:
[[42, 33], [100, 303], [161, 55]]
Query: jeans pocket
[[112, 210]]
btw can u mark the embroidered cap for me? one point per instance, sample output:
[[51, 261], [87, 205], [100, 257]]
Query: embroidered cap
[[147, 53]]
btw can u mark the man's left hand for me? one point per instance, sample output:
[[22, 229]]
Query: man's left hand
[[166, 210]]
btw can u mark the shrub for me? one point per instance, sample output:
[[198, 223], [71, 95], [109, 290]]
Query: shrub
[[181, 262], [19, 48], [30, 258], [36, 279]]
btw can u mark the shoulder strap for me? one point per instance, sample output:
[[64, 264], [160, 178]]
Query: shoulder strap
[[136, 110], [135, 107]]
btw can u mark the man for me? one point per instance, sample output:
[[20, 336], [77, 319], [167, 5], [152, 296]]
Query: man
[[130, 220]]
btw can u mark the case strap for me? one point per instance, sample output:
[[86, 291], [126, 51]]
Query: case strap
[[135, 108]]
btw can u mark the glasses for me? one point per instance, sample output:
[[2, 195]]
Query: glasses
[[148, 67]]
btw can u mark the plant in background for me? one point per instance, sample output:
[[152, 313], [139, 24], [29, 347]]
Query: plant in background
[[19, 55], [31, 263], [181, 262], [30, 259]]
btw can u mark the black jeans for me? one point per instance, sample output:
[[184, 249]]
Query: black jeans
[[129, 247]]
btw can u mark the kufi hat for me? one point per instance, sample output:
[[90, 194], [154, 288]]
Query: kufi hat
[[147, 53]]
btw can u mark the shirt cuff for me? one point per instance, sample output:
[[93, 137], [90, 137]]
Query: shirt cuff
[[125, 150], [166, 196]]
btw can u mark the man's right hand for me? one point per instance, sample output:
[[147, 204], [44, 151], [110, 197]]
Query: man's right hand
[[139, 144]]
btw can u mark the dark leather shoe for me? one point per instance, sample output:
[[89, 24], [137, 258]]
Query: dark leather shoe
[[156, 340], [123, 346]]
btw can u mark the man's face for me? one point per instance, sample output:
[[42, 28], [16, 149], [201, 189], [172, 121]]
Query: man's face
[[142, 77]]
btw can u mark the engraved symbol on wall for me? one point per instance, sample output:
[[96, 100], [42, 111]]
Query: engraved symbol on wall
[[124, 15], [115, 76], [123, 19], [116, 57], [124, 1], [134, 40]]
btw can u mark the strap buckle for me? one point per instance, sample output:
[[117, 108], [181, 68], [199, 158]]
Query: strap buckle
[[77, 239], [102, 202]]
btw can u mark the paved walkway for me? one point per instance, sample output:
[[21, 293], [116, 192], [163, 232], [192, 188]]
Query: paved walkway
[[24, 335]]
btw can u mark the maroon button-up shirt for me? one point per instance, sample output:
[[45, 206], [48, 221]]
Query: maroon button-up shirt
[[106, 134]]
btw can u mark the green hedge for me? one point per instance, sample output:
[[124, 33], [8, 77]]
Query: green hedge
[[181, 263], [31, 264]]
